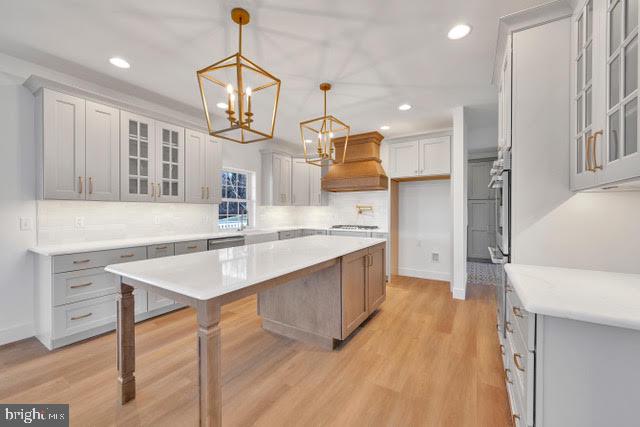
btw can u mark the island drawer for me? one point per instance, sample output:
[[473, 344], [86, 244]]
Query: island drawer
[[74, 286], [86, 260], [160, 250], [190, 247]]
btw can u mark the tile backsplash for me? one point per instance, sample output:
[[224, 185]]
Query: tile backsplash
[[77, 221]]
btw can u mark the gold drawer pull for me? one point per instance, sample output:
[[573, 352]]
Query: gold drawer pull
[[126, 256], [501, 349], [161, 247], [517, 311], [192, 247], [84, 316], [515, 418], [84, 285], [82, 261], [509, 288], [508, 327], [517, 359], [507, 375]]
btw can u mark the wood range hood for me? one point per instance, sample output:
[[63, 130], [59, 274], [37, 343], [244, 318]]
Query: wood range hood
[[361, 170]]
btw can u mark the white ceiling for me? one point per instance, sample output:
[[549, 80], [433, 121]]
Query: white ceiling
[[376, 53]]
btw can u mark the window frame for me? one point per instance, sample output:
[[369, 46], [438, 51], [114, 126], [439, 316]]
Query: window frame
[[247, 200]]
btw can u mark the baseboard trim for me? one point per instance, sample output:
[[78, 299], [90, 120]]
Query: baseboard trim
[[16, 333], [425, 274], [459, 293]]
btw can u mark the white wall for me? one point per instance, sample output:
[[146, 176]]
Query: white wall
[[459, 203], [551, 225], [424, 227], [17, 196]]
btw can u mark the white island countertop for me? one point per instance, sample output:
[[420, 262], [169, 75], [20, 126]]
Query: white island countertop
[[207, 275], [601, 297]]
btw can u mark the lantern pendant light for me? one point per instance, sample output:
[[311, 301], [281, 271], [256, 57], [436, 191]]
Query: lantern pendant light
[[246, 93], [318, 134]]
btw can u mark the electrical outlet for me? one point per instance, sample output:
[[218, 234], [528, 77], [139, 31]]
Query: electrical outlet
[[79, 222], [26, 224], [435, 257]]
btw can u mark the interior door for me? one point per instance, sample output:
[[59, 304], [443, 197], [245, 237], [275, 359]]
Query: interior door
[[170, 163], [300, 183], [376, 278], [403, 159], [137, 154], [102, 152], [481, 231], [434, 156], [63, 146], [354, 291]]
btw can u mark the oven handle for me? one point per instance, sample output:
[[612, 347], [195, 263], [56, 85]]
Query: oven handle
[[495, 258], [496, 182]]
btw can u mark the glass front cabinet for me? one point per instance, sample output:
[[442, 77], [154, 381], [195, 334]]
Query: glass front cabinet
[[604, 128]]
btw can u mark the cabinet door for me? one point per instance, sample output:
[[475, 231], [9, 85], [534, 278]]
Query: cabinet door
[[376, 278], [315, 185], [102, 152], [403, 159], [63, 146], [621, 157], [354, 291], [213, 170], [434, 156], [285, 179], [170, 163], [300, 182], [195, 167], [137, 153]]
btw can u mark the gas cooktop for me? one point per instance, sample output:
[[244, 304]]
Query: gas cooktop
[[355, 227]]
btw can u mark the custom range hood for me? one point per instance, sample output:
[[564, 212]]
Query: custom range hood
[[361, 170]]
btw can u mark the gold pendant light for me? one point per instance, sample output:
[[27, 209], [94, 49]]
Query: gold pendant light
[[318, 135], [239, 89]]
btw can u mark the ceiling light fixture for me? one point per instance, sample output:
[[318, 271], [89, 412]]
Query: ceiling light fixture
[[119, 62], [232, 79], [385, 127], [459, 31], [323, 130], [404, 107]]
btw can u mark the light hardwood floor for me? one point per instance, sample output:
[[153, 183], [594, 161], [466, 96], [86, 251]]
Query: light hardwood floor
[[423, 359]]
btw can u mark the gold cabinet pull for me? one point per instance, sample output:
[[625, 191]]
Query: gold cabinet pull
[[588, 167], [508, 327], [80, 184], [90, 185], [159, 192], [517, 311], [126, 256], [84, 285], [507, 375], [81, 261], [594, 152], [192, 247], [501, 349], [508, 288], [84, 316], [517, 359], [515, 419], [207, 192], [161, 247]]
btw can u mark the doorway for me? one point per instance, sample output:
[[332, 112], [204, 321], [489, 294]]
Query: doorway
[[481, 210]]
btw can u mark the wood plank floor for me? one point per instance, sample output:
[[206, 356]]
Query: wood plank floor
[[423, 359]]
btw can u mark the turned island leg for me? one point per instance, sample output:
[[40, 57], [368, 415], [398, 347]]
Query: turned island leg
[[126, 344], [209, 365]]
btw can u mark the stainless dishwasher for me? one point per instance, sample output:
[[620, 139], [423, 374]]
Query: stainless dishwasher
[[226, 242]]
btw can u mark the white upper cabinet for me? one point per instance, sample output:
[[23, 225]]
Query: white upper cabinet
[[170, 164], [504, 100], [604, 146], [300, 186], [102, 153], [434, 156], [427, 157], [276, 179], [62, 148], [138, 157], [315, 185], [203, 162]]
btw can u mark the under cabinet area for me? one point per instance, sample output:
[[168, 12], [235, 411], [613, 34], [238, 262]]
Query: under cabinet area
[[423, 158]]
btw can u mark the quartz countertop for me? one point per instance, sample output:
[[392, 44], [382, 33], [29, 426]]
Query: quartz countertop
[[103, 245], [601, 297], [206, 275]]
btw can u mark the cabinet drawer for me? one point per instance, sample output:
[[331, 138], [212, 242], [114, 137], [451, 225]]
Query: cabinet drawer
[[190, 247], [310, 232], [519, 360], [160, 250], [74, 286], [290, 234], [81, 316], [521, 320], [86, 260]]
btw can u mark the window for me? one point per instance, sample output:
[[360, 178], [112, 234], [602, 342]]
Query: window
[[233, 210]]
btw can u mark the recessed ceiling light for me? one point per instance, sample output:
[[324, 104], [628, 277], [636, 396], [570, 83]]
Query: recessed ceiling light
[[119, 62], [222, 105], [404, 107], [459, 31], [385, 127]]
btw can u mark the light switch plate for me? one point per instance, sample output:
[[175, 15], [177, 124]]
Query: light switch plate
[[26, 223], [435, 257]]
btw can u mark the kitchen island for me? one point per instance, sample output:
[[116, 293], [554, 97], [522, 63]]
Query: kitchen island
[[316, 288]]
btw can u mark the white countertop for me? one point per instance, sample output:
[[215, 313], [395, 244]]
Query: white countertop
[[207, 275], [103, 245], [591, 296]]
